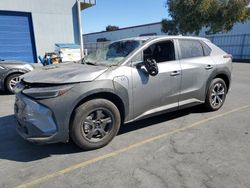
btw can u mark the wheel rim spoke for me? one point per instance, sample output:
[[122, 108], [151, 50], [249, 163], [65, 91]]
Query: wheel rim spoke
[[13, 82], [214, 101], [105, 122], [89, 121], [90, 134], [102, 132], [218, 87], [98, 114], [219, 100], [213, 93], [221, 92]]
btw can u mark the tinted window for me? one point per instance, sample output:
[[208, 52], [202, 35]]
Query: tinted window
[[207, 50], [160, 52], [190, 49]]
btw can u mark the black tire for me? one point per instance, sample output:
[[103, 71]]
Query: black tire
[[8, 83], [216, 95], [88, 128]]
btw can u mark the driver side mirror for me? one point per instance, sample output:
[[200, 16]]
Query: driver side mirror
[[150, 65]]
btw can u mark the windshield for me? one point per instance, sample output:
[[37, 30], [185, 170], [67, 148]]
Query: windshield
[[113, 54]]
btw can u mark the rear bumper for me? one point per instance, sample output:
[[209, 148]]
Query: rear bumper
[[35, 121]]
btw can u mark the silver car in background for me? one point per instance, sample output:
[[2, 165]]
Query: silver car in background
[[10, 70], [128, 80]]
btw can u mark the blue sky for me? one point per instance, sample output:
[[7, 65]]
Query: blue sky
[[123, 13]]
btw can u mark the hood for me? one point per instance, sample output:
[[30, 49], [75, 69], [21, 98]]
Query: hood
[[64, 73], [12, 62], [15, 64]]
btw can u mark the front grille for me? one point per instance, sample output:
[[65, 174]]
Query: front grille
[[28, 85]]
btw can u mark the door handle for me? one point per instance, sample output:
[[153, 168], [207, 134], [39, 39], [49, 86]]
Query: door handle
[[175, 73], [209, 67]]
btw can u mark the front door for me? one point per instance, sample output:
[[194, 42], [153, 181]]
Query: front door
[[153, 94]]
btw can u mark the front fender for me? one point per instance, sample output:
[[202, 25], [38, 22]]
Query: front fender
[[103, 87], [64, 106]]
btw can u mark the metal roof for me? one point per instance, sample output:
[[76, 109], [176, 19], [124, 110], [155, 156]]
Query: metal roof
[[124, 28], [87, 4]]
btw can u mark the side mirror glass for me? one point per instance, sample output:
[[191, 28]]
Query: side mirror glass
[[150, 65]]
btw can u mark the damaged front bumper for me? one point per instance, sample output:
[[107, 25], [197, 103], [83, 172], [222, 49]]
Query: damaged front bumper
[[35, 121]]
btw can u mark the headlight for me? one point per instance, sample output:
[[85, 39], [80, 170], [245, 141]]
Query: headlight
[[28, 67], [2, 67], [47, 92]]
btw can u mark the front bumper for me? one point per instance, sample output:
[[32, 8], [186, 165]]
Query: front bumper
[[35, 121], [1, 84]]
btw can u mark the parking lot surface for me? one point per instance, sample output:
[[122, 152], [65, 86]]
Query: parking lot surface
[[190, 148]]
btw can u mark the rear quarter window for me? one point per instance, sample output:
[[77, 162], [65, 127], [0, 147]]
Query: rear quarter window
[[206, 48], [191, 49]]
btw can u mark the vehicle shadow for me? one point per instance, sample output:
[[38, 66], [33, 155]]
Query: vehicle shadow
[[14, 148], [4, 93], [159, 119]]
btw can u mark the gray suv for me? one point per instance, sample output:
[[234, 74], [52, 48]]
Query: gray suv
[[127, 80]]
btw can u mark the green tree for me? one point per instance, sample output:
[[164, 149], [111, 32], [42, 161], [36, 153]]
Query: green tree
[[190, 16], [169, 27], [112, 28]]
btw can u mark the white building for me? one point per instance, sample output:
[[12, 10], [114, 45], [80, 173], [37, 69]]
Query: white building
[[147, 29], [236, 41], [29, 28], [151, 29]]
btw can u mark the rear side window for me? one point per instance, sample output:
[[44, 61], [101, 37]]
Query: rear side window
[[191, 49], [206, 48]]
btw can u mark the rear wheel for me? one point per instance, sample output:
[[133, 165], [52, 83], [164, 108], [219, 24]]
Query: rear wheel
[[11, 82], [95, 124], [216, 95]]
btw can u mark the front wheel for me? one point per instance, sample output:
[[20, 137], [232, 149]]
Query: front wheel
[[216, 95], [95, 124], [11, 82]]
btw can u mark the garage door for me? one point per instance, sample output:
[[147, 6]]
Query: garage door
[[17, 37]]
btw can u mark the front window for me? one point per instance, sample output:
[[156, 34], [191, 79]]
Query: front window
[[114, 53], [160, 52]]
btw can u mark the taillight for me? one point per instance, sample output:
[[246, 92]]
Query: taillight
[[228, 56]]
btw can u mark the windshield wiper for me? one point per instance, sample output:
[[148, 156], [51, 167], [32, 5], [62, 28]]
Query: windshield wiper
[[83, 61], [90, 63]]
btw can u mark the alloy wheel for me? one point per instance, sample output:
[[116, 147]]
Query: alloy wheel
[[218, 95], [13, 82], [97, 125]]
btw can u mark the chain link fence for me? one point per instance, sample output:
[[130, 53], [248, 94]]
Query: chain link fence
[[237, 45]]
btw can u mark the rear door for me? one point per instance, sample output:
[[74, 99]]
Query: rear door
[[197, 66]]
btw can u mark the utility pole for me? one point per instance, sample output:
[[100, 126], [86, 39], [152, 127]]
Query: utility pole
[[80, 27]]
